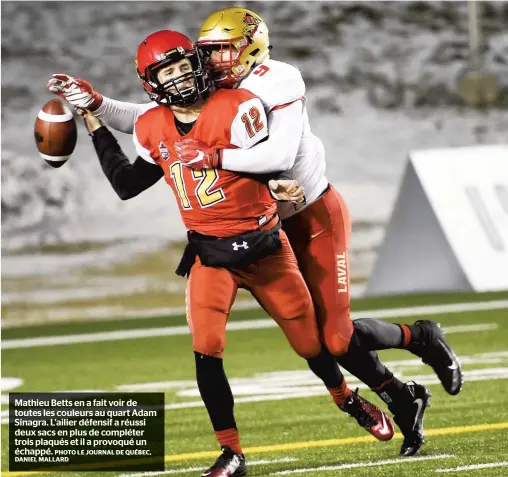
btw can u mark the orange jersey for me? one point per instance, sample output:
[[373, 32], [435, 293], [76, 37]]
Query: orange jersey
[[211, 202]]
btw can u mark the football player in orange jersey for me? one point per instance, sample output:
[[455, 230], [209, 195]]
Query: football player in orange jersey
[[237, 43], [234, 236]]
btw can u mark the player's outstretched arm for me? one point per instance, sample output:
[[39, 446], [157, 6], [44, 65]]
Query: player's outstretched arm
[[119, 115], [128, 179]]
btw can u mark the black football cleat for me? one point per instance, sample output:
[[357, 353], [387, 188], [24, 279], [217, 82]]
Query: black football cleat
[[409, 417], [369, 416], [437, 353], [228, 464]]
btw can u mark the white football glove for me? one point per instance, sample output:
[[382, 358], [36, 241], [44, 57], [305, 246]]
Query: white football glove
[[76, 91]]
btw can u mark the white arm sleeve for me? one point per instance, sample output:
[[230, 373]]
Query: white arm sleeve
[[278, 152], [250, 125], [121, 115]]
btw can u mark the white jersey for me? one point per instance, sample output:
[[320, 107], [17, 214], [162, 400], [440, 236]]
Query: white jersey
[[276, 84], [279, 86]]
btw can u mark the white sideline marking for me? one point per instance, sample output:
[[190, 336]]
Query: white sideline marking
[[197, 469], [251, 324], [364, 464], [474, 467]]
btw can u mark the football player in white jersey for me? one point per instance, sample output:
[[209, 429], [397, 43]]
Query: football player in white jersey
[[236, 42]]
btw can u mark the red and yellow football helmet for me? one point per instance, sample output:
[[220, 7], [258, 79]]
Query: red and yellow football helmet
[[241, 37]]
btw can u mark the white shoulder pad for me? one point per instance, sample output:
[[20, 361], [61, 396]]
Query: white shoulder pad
[[275, 83], [250, 125], [141, 150]]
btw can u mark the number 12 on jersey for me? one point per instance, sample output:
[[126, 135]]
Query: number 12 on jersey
[[207, 179], [253, 124]]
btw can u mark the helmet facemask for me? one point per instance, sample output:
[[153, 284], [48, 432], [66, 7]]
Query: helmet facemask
[[226, 71], [238, 39], [173, 92]]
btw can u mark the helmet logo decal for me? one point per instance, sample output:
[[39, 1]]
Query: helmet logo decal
[[251, 23], [164, 151], [169, 53]]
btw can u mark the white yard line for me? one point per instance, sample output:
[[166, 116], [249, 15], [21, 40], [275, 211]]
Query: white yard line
[[197, 469], [283, 385], [117, 313], [485, 374], [432, 309], [102, 313], [255, 324], [301, 377], [23, 319], [261, 323], [406, 460], [470, 328], [474, 467]]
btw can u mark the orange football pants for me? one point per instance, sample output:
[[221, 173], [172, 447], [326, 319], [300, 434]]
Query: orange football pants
[[276, 283], [319, 235]]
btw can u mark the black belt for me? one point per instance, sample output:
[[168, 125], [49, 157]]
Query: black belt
[[231, 252]]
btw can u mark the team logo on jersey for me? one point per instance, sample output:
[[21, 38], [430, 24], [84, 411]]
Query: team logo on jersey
[[252, 23], [164, 151]]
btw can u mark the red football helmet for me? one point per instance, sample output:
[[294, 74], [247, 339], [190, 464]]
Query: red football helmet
[[159, 50]]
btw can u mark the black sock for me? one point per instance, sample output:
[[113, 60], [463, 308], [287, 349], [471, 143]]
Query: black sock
[[325, 367], [391, 392], [374, 334], [367, 368], [395, 395], [215, 391], [365, 365], [416, 333]]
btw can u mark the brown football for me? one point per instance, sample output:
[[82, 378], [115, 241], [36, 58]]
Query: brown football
[[55, 133]]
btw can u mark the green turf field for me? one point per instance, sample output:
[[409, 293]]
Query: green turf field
[[293, 425]]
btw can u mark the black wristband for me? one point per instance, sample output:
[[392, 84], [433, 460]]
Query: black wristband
[[219, 158]]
